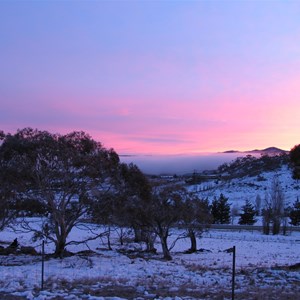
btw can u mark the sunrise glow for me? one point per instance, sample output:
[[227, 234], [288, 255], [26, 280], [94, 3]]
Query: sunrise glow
[[154, 77]]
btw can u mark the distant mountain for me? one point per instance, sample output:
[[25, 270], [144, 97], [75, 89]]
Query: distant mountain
[[270, 150], [267, 151], [232, 151]]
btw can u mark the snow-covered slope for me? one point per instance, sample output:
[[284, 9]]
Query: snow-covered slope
[[240, 189]]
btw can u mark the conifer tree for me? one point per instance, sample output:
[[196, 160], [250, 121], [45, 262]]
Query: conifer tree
[[220, 210], [247, 217], [295, 213], [295, 159]]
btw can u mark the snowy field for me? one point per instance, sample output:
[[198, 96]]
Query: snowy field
[[262, 269]]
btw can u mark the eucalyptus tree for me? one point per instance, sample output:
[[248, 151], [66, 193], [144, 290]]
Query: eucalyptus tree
[[160, 213], [195, 217], [65, 173], [120, 208], [8, 188]]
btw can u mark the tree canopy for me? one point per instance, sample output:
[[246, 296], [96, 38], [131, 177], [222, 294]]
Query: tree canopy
[[64, 173], [295, 159]]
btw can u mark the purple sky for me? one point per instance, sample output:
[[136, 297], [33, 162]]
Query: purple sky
[[156, 77]]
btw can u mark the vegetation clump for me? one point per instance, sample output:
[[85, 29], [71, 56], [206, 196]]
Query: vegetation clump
[[250, 165]]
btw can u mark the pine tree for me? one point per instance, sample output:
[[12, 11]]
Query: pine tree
[[220, 210], [247, 217], [295, 213]]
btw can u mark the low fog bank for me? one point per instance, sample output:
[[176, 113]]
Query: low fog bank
[[179, 164]]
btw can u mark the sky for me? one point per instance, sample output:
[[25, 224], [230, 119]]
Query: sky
[[154, 77]]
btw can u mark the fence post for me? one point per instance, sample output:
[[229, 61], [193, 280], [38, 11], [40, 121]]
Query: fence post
[[43, 260], [233, 271]]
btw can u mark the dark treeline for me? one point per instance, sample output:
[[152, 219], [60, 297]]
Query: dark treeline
[[253, 166], [68, 179]]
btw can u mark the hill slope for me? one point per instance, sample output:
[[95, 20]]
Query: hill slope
[[241, 184]]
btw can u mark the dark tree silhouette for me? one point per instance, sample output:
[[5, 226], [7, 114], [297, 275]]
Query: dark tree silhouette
[[195, 218], [120, 206], [274, 210], [220, 210], [247, 217], [295, 213], [160, 213], [295, 159], [10, 186], [277, 205], [63, 173]]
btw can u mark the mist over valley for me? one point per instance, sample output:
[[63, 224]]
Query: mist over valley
[[188, 163]]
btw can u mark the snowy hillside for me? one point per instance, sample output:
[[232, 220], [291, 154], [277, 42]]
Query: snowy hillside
[[238, 190]]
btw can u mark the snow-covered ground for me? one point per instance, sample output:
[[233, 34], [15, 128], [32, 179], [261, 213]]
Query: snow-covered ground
[[123, 273], [262, 262]]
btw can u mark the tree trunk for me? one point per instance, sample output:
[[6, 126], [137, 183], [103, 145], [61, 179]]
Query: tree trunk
[[165, 249], [121, 236], [60, 247], [276, 226], [192, 237], [284, 226], [108, 239], [151, 237], [266, 228], [266, 222], [137, 234]]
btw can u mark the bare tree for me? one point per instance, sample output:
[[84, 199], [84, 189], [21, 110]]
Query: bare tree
[[235, 212], [274, 208], [278, 205], [258, 202], [267, 214]]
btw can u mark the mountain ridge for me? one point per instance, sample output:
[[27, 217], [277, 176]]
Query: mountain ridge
[[269, 150]]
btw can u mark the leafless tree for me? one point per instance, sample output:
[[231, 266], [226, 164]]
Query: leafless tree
[[235, 212], [278, 205], [267, 214], [258, 202], [274, 208]]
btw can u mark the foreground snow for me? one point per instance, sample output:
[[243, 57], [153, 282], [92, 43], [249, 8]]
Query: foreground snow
[[124, 273]]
